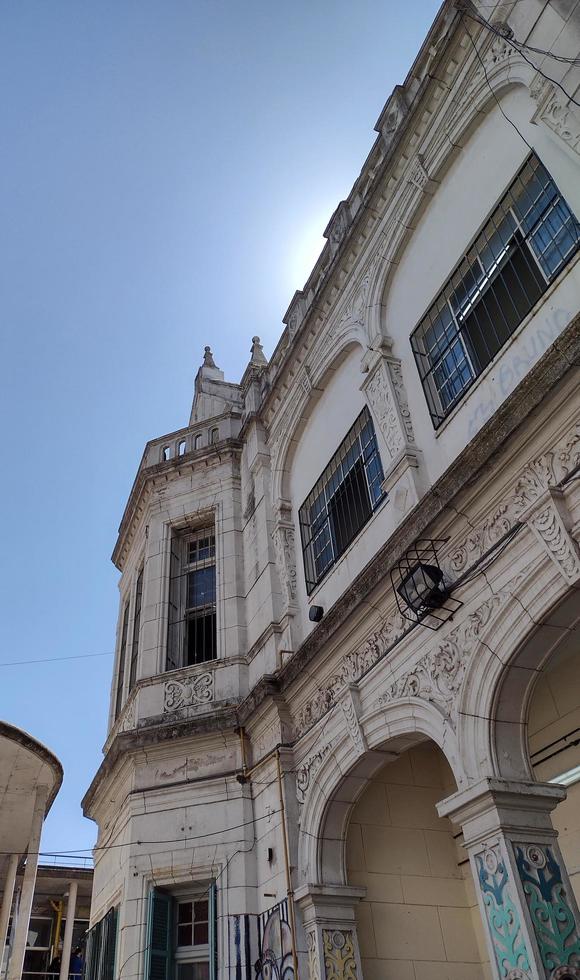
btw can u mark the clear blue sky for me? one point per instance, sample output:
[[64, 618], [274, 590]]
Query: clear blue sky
[[167, 169]]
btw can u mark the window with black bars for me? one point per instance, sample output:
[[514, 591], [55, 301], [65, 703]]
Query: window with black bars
[[136, 630], [191, 635], [524, 245], [122, 655], [342, 500]]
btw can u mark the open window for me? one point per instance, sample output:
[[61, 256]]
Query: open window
[[524, 245], [341, 501], [192, 637], [181, 935]]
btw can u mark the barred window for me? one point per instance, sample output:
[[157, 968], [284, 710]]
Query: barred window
[[525, 244], [122, 655], [341, 501], [192, 600]]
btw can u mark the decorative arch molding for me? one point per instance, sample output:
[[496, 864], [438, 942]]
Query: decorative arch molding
[[505, 69], [343, 772], [300, 405], [495, 698]]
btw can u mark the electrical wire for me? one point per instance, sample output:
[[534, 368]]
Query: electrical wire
[[51, 660]]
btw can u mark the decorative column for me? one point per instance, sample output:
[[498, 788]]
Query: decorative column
[[526, 900], [28, 885], [328, 917], [7, 901], [71, 906], [385, 392]]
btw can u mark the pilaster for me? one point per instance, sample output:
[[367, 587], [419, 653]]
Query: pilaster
[[328, 916], [525, 896]]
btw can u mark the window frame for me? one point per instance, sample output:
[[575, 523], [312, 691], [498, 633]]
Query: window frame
[[445, 361], [317, 513], [137, 611], [122, 658], [181, 614]]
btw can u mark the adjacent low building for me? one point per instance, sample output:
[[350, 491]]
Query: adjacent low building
[[345, 713]]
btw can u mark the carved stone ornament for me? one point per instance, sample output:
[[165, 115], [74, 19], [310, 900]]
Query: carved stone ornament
[[552, 910], [438, 674], [502, 913], [285, 548], [308, 769], [313, 961], [484, 66], [549, 520], [350, 705], [339, 955], [338, 226], [541, 474], [418, 175], [386, 394], [128, 718], [192, 690], [552, 110]]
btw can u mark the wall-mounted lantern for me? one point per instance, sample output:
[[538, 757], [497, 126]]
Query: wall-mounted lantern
[[419, 585]]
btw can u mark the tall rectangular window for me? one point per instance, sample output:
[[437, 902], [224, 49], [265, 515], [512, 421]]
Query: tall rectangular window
[[341, 501], [181, 936], [525, 244], [192, 600], [136, 630], [122, 656]]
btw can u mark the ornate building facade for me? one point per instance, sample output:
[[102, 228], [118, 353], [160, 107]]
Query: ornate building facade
[[345, 712]]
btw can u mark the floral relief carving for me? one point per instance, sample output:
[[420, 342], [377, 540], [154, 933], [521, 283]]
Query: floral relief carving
[[285, 548], [502, 914], [308, 769], [555, 114], [128, 719], [396, 372], [382, 400], [438, 674], [350, 705], [351, 668], [339, 956], [550, 909], [191, 690], [549, 524]]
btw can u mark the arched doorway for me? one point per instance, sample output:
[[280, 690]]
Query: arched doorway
[[419, 918]]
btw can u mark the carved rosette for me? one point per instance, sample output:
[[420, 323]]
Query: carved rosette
[[387, 398], [339, 954], [189, 691]]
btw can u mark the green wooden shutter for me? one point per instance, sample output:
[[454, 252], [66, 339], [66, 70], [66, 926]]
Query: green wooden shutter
[[108, 946], [159, 954], [93, 952], [213, 949]]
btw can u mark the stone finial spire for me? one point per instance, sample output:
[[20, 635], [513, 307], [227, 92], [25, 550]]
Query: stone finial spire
[[258, 357]]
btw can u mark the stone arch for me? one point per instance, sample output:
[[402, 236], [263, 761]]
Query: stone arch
[[345, 772], [505, 70], [333, 350]]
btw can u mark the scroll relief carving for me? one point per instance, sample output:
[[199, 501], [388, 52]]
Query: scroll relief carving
[[387, 397], [555, 114], [285, 548], [498, 52], [350, 705], [541, 475], [192, 690], [313, 964], [438, 674], [339, 956], [128, 719], [308, 770]]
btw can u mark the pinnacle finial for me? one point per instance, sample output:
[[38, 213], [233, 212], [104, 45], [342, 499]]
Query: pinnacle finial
[[258, 356], [208, 360]]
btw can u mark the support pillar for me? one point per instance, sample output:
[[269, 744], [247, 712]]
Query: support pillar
[[526, 900], [7, 901], [328, 918], [28, 885], [68, 930]]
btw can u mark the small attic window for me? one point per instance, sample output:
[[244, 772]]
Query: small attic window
[[181, 448], [197, 441], [166, 453], [214, 436]]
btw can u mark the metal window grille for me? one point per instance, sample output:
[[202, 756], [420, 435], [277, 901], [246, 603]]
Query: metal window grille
[[524, 245], [136, 630], [122, 654], [341, 501], [192, 600]]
